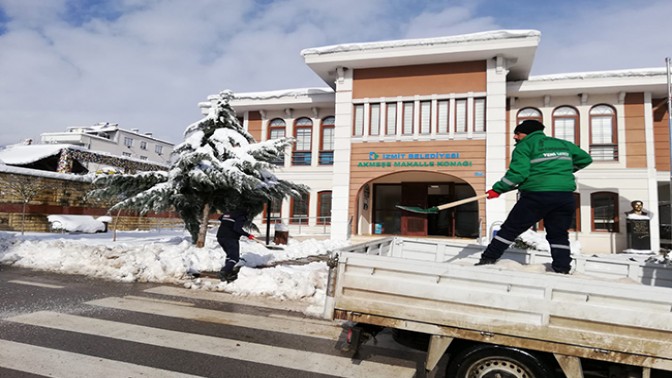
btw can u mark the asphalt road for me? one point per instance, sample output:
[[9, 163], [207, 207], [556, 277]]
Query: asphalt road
[[74, 326]]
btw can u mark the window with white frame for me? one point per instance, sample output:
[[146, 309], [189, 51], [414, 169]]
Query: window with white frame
[[603, 140], [461, 116], [391, 127], [529, 113], [158, 149], [565, 124], [443, 114], [359, 121], [128, 142], [425, 117], [143, 145], [277, 128], [326, 156], [374, 127], [479, 114], [407, 126], [303, 132]]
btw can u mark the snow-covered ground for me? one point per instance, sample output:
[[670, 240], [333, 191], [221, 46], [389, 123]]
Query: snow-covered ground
[[167, 256]]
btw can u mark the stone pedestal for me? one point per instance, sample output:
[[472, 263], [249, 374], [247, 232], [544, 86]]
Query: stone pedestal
[[639, 235]]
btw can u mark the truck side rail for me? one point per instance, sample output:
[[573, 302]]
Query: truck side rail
[[611, 267]]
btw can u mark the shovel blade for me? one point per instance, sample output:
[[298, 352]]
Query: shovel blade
[[419, 210]]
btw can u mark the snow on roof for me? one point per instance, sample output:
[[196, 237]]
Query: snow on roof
[[45, 174], [25, 154], [448, 40], [295, 93], [641, 72], [98, 127]]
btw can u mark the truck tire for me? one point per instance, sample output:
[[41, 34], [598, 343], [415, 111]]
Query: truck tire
[[490, 361]]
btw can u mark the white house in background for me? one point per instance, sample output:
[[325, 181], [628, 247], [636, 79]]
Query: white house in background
[[110, 138]]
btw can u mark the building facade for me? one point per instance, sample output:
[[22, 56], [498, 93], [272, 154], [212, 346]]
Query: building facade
[[110, 138], [430, 121]]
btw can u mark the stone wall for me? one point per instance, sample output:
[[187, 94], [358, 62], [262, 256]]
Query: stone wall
[[57, 193]]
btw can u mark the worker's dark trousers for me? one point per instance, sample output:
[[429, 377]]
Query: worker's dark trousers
[[557, 211], [232, 249]]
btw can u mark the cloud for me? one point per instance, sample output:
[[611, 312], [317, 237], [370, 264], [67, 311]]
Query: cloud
[[146, 64]]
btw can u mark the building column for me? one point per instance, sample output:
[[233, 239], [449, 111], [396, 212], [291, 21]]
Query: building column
[[495, 150], [342, 138]]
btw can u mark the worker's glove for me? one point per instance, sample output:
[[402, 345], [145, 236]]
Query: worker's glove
[[492, 194], [250, 236]]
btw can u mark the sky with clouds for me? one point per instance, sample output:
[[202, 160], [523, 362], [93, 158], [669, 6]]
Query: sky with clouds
[[146, 64]]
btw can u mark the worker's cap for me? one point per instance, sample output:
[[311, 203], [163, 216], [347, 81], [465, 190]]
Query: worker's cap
[[528, 127]]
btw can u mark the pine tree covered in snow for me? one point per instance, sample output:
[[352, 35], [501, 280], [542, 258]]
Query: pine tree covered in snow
[[218, 167]]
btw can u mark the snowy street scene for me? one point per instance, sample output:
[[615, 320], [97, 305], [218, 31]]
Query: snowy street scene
[[313, 189]]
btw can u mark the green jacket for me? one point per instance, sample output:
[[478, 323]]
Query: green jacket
[[543, 164]]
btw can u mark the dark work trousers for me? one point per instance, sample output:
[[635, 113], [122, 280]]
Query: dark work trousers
[[557, 211], [232, 249]]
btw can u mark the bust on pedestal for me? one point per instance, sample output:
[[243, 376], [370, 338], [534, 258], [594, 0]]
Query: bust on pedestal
[[638, 230]]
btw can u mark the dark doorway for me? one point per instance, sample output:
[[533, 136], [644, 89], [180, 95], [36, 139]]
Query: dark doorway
[[460, 221]]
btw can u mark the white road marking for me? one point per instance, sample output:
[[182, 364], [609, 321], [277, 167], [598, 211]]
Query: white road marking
[[56, 363], [39, 284], [217, 296], [235, 349], [293, 327]]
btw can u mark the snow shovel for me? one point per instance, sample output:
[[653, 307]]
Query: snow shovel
[[268, 246], [436, 209]]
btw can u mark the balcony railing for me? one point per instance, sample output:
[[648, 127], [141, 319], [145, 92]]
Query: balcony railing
[[326, 158], [301, 158], [603, 152]]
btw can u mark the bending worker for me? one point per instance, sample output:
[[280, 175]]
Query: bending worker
[[228, 236], [542, 170]]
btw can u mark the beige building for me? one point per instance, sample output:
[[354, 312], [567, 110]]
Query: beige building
[[429, 121]]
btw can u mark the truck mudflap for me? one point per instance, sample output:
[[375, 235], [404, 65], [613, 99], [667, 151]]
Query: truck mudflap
[[358, 334]]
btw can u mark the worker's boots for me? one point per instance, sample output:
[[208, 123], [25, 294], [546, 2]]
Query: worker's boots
[[486, 261]]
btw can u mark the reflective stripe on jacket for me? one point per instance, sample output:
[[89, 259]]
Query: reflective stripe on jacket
[[543, 164]]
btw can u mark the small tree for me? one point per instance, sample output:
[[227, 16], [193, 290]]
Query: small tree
[[26, 188], [218, 167]]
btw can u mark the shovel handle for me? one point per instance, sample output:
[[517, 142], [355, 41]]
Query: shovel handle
[[462, 201]]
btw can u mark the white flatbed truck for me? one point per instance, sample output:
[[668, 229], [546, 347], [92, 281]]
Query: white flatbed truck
[[504, 321]]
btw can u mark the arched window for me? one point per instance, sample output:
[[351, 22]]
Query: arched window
[[603, 137], [299, 210], [327, 141], [529, 113], [604, 211], [303, 133], [277, 129], [566, 124], [324, 207]]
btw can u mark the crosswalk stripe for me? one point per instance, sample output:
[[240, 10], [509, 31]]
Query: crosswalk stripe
[[235, 349], [228, 298], [56, 363], [32, 283], [284, 325]]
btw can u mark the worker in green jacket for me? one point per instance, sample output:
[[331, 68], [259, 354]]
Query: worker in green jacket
[[542, 169]]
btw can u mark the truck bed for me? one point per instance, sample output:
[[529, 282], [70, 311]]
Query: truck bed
[[609, 309]]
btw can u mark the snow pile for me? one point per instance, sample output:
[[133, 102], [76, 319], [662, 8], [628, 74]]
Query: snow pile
[[167, 256], [78, 223]]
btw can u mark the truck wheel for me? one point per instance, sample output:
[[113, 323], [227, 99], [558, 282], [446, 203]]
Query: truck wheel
[[490, 361]]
